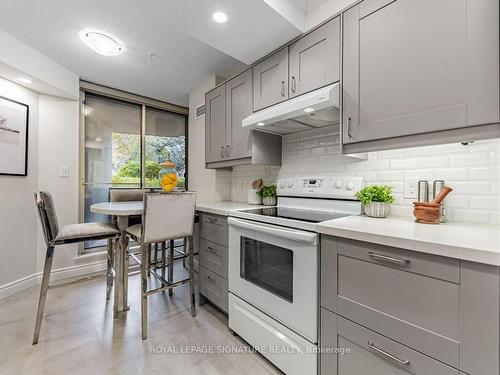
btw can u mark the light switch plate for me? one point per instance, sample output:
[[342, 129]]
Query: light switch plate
[[63, 171]]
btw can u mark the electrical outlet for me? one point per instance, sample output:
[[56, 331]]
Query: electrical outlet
[[411, 189]]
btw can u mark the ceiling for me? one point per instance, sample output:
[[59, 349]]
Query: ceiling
[[171, 46]]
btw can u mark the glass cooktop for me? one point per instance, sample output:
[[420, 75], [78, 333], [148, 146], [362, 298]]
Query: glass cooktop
[[310, 216]]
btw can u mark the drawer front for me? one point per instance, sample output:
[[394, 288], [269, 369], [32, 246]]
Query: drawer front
[[214, 287], [213, 257], [214, 228], [425, 264], [371, 353], [419, 311]]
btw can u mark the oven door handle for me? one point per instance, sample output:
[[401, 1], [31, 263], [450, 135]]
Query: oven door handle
[[286, 233]]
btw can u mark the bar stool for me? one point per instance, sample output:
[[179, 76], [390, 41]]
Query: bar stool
[[166, 217], [67, 234]]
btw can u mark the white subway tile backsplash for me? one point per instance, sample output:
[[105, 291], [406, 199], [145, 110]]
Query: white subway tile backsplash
[[472, 170], [470, 160]]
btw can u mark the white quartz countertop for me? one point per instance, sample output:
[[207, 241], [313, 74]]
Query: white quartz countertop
[[472, 242], [223, 208]]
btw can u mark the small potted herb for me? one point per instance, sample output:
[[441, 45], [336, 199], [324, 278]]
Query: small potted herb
[[376, 200], [268, 194]]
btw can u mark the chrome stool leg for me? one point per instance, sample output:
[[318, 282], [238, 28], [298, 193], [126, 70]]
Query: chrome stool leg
[[144, 289], [171, 266], [149, 259], [109, 280], [43, 292], [163, 258], [190, 249]]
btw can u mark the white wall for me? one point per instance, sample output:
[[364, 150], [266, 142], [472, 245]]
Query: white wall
[[53, 142], [18, 225], [59, 146]]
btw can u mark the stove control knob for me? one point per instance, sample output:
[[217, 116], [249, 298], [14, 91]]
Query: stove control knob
[[349, 185], [282, 185], [290, 184], [337, 184]]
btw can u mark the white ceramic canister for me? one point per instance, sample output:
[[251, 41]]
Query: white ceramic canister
[[253, 197]]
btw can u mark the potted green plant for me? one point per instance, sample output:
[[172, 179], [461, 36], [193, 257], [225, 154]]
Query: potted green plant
[[376, 200], [268, 194]]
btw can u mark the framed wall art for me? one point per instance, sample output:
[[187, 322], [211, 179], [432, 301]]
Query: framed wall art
[[13, 137]]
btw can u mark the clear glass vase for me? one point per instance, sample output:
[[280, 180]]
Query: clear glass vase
[[168, 176]]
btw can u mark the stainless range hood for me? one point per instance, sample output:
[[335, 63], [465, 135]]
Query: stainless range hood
[[316, 109]]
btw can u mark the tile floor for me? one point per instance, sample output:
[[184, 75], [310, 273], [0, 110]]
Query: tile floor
[[79, 335]]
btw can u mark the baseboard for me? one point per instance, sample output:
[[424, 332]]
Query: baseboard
[[18, 286], [56, 276]]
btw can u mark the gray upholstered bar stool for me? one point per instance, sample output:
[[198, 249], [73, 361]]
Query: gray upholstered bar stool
[[55, 235], [121, 195], [166, 217]]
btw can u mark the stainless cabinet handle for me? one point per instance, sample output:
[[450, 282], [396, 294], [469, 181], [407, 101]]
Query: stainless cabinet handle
[[349, 127], [385, 258], [283, 88], [222, 152], [402, 362], [212, 250], [211, 279], [228, 151], [293, 84], [212, 219]]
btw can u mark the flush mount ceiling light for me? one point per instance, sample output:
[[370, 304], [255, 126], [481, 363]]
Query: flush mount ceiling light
[[219, 17], [101, 43], [25, 80], [308, 110], [260, 124]]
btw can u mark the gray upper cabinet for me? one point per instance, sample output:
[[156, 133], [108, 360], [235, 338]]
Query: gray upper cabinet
[[413, 67], [239, 105], [270, 80], [227, 142], [215, 125], [315, 59]]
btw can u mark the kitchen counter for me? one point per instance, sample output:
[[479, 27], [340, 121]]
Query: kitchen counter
[[473, 242], [223, 208]]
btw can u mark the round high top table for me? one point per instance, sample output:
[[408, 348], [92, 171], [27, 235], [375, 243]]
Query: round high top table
[[122, 211]]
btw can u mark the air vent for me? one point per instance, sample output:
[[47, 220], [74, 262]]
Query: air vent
[[200, 111]]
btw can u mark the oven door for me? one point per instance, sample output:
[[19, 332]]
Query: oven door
[[276, 270]]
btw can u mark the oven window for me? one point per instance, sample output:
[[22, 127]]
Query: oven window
[[267, 266]]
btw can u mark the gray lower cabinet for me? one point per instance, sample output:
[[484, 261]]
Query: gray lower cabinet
[[315, 59], [213, 254], [413, 67], [446, 309], [270, 80], [363, 351]]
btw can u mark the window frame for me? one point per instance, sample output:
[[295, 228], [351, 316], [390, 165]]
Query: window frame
[[145, 102]]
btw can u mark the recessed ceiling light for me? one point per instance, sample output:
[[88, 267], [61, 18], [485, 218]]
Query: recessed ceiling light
[[309, 110], [260, 124], [219, 17], [25, 80], [101, 43]]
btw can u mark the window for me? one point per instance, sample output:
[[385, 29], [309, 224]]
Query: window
[[117, 155]]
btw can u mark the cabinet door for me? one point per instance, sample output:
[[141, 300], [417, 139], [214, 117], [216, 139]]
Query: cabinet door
[[315, 59], [407, 63], [270, 80], [215, 124], [239, 104]]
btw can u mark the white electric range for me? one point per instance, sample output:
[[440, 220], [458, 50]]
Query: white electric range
[[273, 268]]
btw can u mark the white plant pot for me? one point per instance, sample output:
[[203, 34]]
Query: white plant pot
[[253, 197], [269, 201], [377, 209]]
